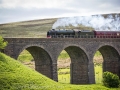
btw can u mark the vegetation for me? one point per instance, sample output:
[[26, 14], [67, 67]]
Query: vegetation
[[34, 28], [16, 76], [25, 56], [64, 75], [98, 74], [111, 80], [63, 55], [3, 43]]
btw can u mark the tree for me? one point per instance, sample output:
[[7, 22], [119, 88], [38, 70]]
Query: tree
[[3, 43]]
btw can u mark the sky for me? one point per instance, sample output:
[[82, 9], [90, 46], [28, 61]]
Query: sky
[[24, 10]]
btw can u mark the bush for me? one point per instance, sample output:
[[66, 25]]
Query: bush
[[110, 80], [3, 43]]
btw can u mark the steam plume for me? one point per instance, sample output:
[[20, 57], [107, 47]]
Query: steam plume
[[98, 22]]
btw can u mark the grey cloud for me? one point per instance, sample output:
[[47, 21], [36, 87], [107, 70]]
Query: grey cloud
[[33, 11], [1, 1], [73, 6], [94, 4], [115, 3]]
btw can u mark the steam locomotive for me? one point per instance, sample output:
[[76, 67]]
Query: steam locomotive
[[82, 34]]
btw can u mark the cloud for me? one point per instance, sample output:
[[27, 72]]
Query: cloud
[[32, 3], [19, 10], [95, 5], [59, 3]]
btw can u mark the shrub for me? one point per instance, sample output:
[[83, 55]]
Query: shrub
[[110, 80], [3, 44]]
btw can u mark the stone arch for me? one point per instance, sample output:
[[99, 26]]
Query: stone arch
[[79, 65], [111, 59], [43, 61]]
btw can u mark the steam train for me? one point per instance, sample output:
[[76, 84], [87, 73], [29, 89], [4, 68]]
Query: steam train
[[82, 34]]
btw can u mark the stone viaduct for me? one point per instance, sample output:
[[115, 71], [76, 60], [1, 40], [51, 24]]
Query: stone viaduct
[[81, 51]]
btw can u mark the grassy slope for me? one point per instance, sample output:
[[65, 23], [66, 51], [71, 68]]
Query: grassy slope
[[16, 76], [33, 28]]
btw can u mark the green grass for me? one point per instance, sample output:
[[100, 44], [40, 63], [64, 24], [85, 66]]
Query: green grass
[[98, 73], [64, 75], [63, 55], [98, 54], [14, 75], [64, 78], [25, 56]]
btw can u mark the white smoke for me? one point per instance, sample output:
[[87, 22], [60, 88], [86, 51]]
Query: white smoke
[[98, 22]]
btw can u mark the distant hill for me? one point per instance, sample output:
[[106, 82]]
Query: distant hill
[[39, 28], [33, 28]]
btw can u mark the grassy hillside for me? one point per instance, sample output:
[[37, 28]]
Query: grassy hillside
[[13, 75], [16, 76], [34, 28]]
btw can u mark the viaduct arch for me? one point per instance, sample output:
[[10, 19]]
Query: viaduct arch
[[81, 51]]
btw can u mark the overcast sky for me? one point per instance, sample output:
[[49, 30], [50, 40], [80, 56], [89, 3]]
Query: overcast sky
[[22, 10]]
